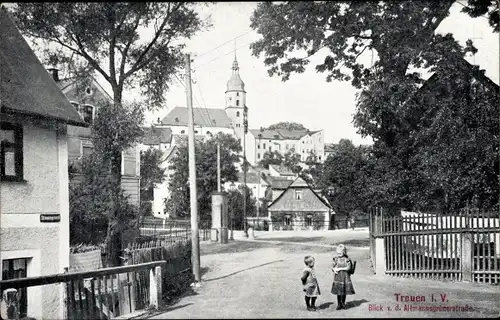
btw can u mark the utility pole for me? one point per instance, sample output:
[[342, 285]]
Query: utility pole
[[195, 235], [245, 126], [218, 167]]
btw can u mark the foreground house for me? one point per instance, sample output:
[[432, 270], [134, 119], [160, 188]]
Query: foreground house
[[35, 114], [299, 207]]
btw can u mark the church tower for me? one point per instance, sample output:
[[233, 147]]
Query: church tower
[[236, 100]]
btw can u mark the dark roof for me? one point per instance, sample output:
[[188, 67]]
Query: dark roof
[[281, 134], [282, 170], [155, 136], [300, 183], [184, 138], [252, 177], [26, 86], [204, 117], [329, 147], [279, 183]]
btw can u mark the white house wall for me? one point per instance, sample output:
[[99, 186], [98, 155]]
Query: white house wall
[[22, 235]]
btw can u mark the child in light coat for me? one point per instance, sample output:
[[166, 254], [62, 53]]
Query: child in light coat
[[310, 283]]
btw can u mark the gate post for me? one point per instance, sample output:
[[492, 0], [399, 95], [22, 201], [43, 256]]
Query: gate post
[[380, 257], [466, 256]]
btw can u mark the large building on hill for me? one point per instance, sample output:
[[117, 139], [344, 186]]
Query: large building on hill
[[303, 142]]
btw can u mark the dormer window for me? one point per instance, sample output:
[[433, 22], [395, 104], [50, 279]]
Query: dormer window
[[176, 120], [298, 194]]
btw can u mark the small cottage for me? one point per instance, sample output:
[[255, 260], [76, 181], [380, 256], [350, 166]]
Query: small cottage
[[299, 207]]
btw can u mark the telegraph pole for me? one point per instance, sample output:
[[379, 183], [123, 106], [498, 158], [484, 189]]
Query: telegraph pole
[[245, 126], [195, 235], [218, 167]]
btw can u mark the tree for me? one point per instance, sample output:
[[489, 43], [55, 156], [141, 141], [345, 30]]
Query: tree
[[235, 209], [206, 173], [105, 38], [345, 176], [269, 157], [477, 8], [91, 37], [402, 35], [291, 160], [287, 126], [152, 175], [313, 169]]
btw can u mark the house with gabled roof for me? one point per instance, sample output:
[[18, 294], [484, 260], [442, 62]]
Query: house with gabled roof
[[87, 96], [34, 182], [299, 207]]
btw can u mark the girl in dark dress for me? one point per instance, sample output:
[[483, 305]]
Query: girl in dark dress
[[342, 284], [310, 283]]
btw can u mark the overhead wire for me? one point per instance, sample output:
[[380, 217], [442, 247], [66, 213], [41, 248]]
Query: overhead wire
[[219, 46]]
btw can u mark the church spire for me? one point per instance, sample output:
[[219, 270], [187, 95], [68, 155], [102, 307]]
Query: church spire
[[235, 66]]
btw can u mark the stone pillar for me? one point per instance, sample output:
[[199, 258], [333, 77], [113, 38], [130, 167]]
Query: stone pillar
[[220, 217], [327, 220], [380, 256], [466, 256]]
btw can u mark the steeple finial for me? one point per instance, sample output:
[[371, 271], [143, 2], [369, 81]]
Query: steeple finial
[[235, 62]]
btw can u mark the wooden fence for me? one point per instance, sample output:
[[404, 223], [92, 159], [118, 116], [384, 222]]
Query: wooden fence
[[112, 292], [173, 230], [461, 247]]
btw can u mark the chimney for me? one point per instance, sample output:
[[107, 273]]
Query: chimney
[[55, 73], [158, 120], [261, 129]]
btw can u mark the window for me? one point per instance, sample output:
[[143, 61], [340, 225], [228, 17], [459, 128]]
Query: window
[[237, 113], [88, 91], [88, 114], [237, 94], [209, 133], [269, 148], [303, 151], [302, 141], [319, 157], [288, 220], [263, 146], [309, 220], [238, 125], [195, 131], [287, 146], [258, 155], [15, 269], [298, 194], [11, 152], [237, 102], [183, 132], [258, 146]]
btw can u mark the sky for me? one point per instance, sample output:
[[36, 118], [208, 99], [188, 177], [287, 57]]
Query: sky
[[305, 98]]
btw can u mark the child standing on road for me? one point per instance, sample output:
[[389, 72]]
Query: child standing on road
[[310, 282], [342, 284]]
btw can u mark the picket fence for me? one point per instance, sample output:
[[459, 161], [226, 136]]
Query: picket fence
[[460, 247]]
